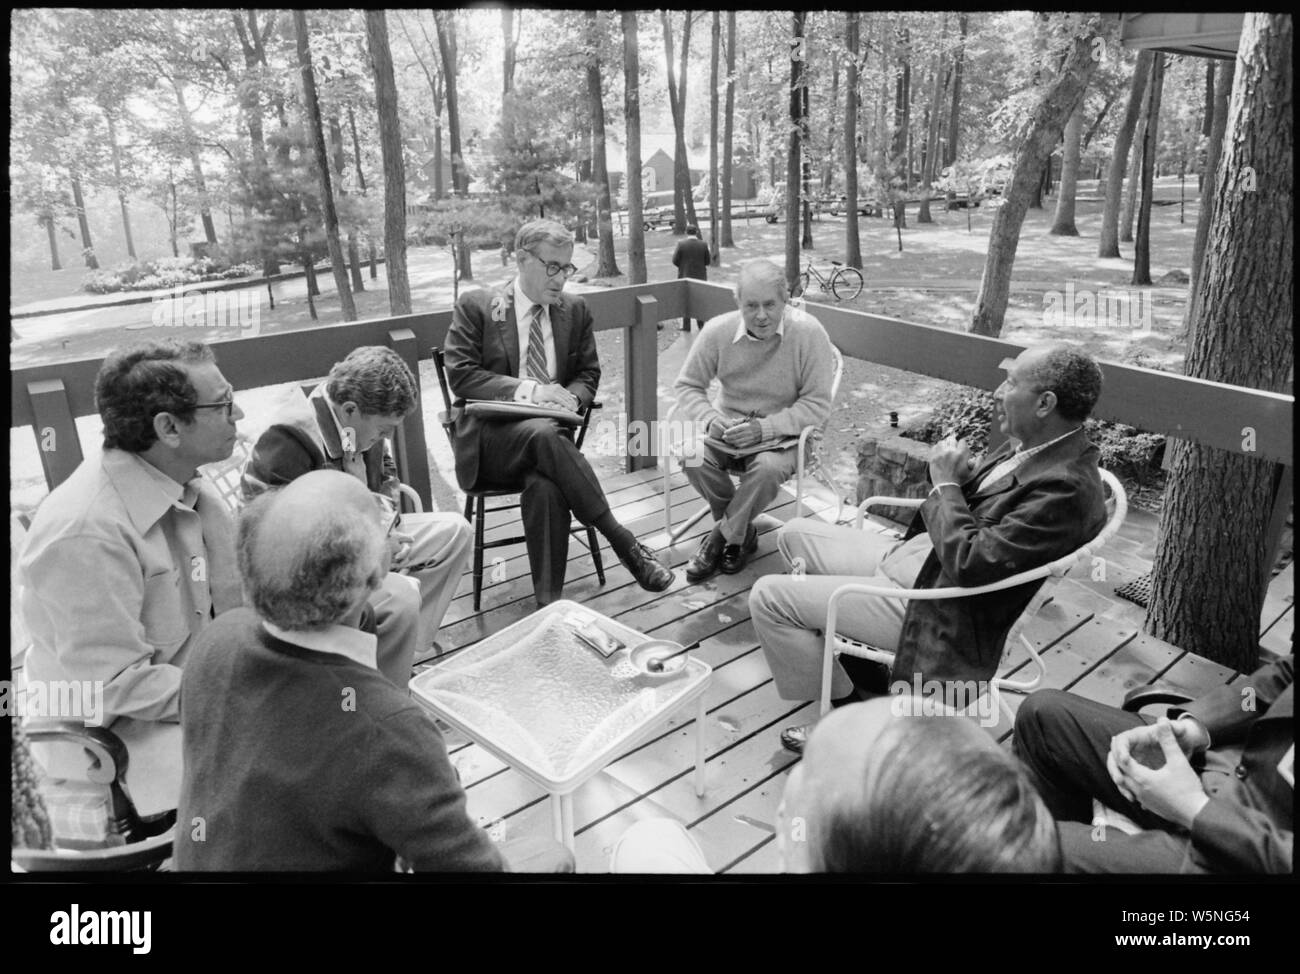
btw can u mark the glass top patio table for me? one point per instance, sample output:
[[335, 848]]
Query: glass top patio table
[[544, 702]]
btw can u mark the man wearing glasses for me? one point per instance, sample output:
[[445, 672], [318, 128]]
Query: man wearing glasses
[[132, 556], [531, 342]]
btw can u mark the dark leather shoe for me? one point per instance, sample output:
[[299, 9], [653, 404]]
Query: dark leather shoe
[[734, 556], [793, 739], [705, 561], [646, 569]]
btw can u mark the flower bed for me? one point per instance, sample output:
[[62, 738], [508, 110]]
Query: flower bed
[[165, 272]]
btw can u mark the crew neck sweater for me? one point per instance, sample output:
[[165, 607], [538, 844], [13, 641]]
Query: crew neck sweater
[[785, 380], [300, 760]]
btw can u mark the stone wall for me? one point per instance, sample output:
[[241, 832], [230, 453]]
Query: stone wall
[[891, 465]]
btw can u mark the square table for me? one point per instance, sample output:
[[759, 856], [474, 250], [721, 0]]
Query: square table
[[553, 708]]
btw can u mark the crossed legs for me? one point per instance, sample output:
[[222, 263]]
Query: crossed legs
[[734, 508]]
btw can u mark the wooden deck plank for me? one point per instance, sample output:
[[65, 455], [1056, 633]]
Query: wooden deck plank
[[1134, 664], [733, 832], [765, 860]]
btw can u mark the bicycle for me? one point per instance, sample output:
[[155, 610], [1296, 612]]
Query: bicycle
[[844, 282]]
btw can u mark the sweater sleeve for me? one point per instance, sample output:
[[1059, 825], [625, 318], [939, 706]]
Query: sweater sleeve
[[812, 407], [700, 369], [415, 803]]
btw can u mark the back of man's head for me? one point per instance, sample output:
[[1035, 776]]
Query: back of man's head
[[137, 383], [376, 379], [312, 551], [1072, 374], [692, 230], [918, 794]]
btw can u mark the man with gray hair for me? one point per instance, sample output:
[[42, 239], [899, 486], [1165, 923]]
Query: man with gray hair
[[774, 366], [530, 342], [1036, 498], [299, 754]]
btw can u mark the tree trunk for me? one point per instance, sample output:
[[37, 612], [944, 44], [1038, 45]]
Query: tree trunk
[[794, 144], [932, 129], [950, 148], [1213, 149], [312, 107], [715, 44], [47, 221], [251, 41], [117, 182], [636, 272], [1045, 124], [340, 164], [79, 204], [390, 144], [445, 22], [1096, 124], [805, 169], [902, 109], [1132, 184], [683, 199], [1207, 119], [509, 45], [608, 265], [728, 131], [200, 185], [832, 121], [1109, 243], [1142, 250], [852, 241], [1063, 223], [1209, 577]]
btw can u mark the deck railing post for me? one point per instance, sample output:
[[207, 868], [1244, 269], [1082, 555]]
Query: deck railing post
[[55, 429], [410, 451], [641, 369]]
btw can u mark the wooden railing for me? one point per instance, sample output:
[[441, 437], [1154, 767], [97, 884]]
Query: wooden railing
[[49, 397]]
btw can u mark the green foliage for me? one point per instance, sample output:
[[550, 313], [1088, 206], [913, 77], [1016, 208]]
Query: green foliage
[[164, 272], [483, 224], [965, 411], [1127, 452]]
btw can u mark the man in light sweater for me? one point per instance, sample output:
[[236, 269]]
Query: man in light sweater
[[774, 366]]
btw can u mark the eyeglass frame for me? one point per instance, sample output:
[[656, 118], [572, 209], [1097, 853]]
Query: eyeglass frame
[[228, 403], [569, 269]]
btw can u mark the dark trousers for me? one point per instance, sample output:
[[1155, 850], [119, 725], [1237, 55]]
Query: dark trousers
[[539, 455], [1063, 739]]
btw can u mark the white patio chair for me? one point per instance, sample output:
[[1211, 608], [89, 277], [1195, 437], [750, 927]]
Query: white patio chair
[[836, 643], [669, 451]]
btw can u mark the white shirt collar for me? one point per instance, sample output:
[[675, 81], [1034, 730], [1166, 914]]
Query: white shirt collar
[[1026, 454], [360, 647], [524, 304], [742, 333]]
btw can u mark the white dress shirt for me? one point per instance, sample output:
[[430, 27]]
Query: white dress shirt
[[523, 322]]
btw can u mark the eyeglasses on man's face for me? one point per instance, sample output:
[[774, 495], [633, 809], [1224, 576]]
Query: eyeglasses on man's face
[[554, 268], [227, 404]]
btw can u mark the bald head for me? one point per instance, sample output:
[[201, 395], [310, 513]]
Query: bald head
[[882, 793], [312, 551]]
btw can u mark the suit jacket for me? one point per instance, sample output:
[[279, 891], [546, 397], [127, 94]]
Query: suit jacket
[[691, 258], [482, 356], [303, 436], [1248, 824], [1047, 508]]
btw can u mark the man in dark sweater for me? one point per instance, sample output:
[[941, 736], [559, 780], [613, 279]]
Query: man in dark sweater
[[691, 257], [299, 754]]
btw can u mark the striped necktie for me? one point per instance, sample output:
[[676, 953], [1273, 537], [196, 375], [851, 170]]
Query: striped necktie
[[537, 369]]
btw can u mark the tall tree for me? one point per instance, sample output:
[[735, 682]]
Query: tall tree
[[794, 146], [596, 31], [1222, 92], [1063, 222], [934, 113], [683, 198], [390, 145], [509, 48], [1044, 128], [716, 42], [312, 107], [728, 131], [636, 273], [954, 116], [445, 22], [852, 239], [1132, 181], [1110, 213], [1210, 573], [1142, 250]]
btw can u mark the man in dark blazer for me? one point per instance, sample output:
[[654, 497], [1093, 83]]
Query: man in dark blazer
[[1035, 499], [691, 257], [1211, 784], [530, 342]]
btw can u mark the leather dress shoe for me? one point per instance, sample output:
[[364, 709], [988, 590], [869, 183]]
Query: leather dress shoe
[[734, 556], [649, 573], [705, 561], [794, 739]]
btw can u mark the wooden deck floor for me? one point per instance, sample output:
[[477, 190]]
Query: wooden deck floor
[[1086, 651]]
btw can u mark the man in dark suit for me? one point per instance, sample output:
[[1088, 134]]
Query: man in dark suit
[[530, 342], [1212, 784], [691, 257], [1035, 499]]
